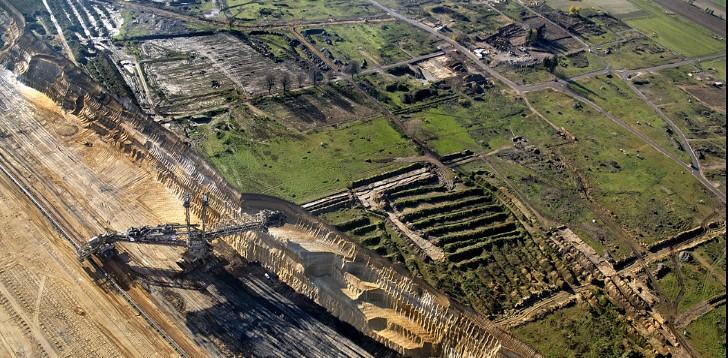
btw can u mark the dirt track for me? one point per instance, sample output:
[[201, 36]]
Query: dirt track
[[48, 305]]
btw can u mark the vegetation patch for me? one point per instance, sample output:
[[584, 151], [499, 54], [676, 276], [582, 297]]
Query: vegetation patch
[[675, 32], [707, 334], [479, 124], [636, 53], [593, 329], [372, 44], [645, 191], [691, 286], [716, 66], [259, 155], [614, 96], [278, 11]]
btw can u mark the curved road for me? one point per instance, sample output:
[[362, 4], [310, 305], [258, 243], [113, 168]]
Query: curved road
[[561, 86]]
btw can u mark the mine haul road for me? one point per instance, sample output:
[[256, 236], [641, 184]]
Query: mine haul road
[[57, 173]]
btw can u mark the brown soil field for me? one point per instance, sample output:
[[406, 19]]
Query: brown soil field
[[712, 23]]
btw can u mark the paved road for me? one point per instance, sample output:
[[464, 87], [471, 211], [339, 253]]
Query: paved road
[[695, 162], [314, 49], [561, 85]]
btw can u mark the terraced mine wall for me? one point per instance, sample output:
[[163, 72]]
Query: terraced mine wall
[[352, 283]]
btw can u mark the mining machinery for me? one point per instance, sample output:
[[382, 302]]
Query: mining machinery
[[194, 237]]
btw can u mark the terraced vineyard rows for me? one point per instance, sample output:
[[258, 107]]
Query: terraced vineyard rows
[[491, 262], [372, 231]]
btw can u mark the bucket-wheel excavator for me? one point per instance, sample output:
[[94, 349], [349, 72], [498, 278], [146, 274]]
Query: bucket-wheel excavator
[[195, 238]]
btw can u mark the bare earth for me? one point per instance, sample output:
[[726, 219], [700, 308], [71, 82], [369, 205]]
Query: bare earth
[[88, 186]]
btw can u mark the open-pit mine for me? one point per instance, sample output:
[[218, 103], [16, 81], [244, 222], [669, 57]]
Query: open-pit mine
[[355, 179]]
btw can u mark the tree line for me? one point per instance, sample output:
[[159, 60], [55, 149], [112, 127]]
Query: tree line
[[284, 80]]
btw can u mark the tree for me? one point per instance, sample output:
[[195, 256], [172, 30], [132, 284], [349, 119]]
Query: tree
[[316, 76], [574, 10], [300, 78], [285, 81], [353, 68], [535, 35], [270, 82], [551, 63]]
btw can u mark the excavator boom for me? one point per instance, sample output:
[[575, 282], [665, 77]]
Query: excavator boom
[[184, 235]]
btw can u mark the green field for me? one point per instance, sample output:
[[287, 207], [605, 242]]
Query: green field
[[557, 194], [614, 96], [614, 7], [703, 125], [707, 334], [698, 285], [264, 157], [278, 10], [638, 53], [468, 18], [584, 331], [645, 192], [665, 89], [578, 64], [674, 32], [469, 124], [717, 66], [713, 254], [525, 75], [383, 43]]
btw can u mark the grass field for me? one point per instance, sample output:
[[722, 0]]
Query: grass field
[[376, 43], [707, 334], [639, 53], [468, 18], [645, 192], [699, 285], [568, 67], [664, 88], [525, 75], [614, 96], [277, 10], [674, 32], [614, 7], [553, 193], [703, 125], [633, 54], [717, 66], [264, 157], [478, 126], [583, 331], [714, 254]]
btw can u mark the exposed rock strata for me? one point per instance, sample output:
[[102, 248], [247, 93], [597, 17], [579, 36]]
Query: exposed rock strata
[[352, 283]]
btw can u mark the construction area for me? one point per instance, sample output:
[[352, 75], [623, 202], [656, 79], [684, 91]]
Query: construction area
[[358, 179]]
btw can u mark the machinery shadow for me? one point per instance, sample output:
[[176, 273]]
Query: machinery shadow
[[248, 312]]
